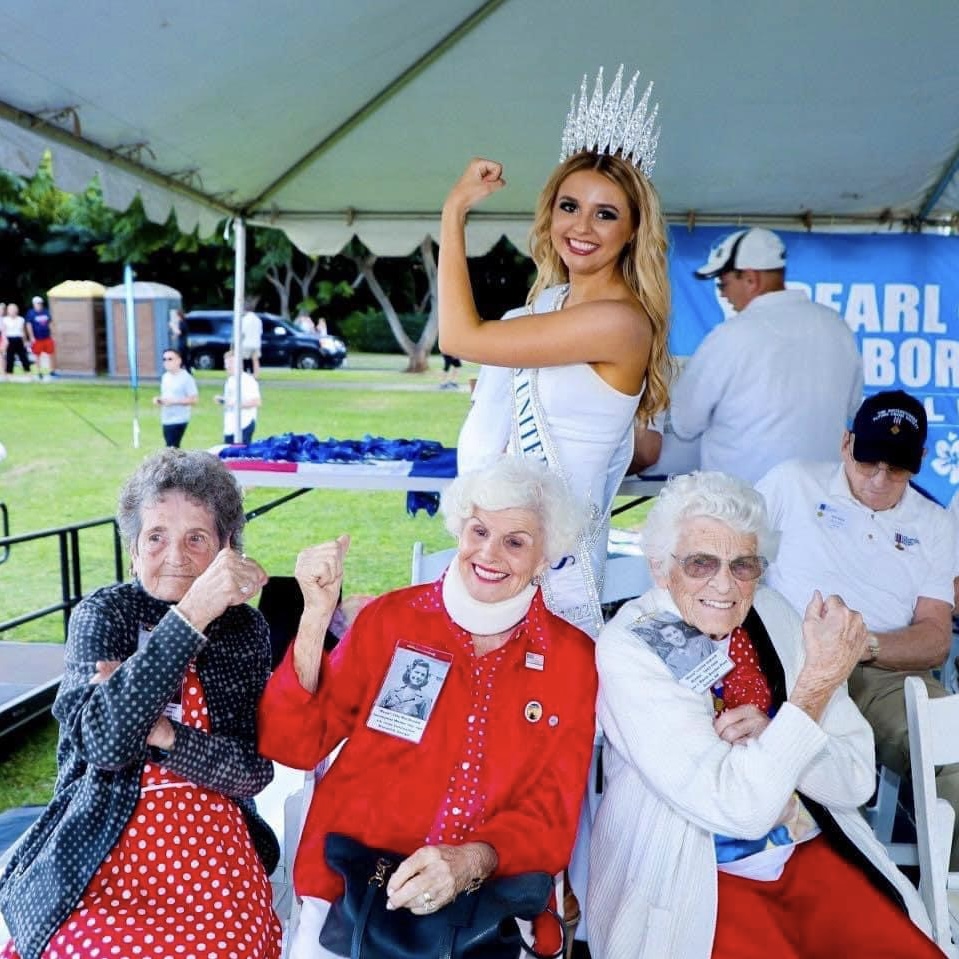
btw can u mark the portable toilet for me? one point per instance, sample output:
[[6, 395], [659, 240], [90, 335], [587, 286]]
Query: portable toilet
[[79, 328], [152, 303]]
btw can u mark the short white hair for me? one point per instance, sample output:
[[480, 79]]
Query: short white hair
[[705, 495], [515, 482]]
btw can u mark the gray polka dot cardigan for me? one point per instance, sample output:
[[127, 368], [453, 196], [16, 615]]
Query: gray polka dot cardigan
[[102, 746]]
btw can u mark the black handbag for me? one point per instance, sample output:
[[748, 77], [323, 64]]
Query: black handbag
[[476, 925]]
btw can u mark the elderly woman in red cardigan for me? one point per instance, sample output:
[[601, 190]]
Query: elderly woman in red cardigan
[[491, 780]]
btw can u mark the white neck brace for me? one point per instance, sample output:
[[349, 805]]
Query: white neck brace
[[479, 618]]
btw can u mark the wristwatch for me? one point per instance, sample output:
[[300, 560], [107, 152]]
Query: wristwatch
[[872, 644]]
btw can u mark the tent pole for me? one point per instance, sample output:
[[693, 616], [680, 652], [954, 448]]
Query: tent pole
[[939, 188], [239, 308]]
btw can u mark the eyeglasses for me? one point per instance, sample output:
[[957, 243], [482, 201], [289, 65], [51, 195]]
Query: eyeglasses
[[896, 474], [705, 566]]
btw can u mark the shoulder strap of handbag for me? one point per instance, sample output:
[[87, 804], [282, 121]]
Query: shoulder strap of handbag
[[530, 951]]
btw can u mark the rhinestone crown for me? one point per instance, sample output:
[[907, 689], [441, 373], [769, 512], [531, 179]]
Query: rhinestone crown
[[611, 124]]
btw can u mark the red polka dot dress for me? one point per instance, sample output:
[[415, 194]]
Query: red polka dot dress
[[183, 879]]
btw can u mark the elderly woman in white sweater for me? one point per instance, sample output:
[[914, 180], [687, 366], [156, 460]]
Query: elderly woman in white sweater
[[729, 827]]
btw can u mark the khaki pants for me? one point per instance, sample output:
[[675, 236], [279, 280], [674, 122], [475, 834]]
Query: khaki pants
[[879, 695]]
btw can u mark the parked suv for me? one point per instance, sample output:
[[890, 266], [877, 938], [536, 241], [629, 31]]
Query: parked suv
[[209, 335]]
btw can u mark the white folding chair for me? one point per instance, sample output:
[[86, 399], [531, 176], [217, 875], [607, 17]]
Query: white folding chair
[[427, 567], [933, 742], [881, 815], [295, 808], [626, 577]]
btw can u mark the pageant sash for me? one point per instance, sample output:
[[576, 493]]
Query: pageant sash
[[572, 586]]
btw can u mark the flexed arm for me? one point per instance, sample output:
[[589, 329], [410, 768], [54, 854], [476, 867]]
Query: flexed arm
[[319, 571], [458, 315], [619, 332]]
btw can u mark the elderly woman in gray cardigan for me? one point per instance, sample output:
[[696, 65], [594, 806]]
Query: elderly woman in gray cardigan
[[729, 827], [151, 845]]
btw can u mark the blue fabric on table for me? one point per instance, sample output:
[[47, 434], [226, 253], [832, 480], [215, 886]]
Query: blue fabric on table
[[428, 457], [442, 463]]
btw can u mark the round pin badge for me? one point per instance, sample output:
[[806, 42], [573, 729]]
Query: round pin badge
[[533, 711]]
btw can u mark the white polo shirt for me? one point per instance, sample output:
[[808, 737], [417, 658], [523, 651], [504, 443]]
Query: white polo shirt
[[954, 512], [879, 561]]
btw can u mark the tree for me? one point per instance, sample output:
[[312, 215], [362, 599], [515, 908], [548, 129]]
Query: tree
[[419, 351], [46, 234], [282, 265]]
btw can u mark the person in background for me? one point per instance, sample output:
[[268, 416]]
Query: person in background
[[729, 827], [17, 334], [451, 371], [779, 380], [858, 529], [178, 337], [151, 845], [42, 346], [321, 329], [305, 323], [3, 342], [178, 396], [251, 341], [250, 401]]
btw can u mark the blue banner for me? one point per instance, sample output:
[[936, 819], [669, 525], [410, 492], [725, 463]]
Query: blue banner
[[899, 294]]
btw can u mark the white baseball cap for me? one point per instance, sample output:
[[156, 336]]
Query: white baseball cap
[[755, 249]]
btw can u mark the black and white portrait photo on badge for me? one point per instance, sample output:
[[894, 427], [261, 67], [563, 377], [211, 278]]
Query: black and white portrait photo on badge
[[409, 697], [408, 692], [680, 646]]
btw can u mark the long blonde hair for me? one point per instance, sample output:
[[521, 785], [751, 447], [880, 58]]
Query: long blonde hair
[[643, 262]]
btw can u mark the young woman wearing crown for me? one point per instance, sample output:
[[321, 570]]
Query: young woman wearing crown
[[565, 377]]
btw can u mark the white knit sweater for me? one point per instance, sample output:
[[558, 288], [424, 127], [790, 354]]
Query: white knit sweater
[[671, 783]]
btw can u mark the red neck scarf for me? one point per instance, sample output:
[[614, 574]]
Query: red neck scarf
[[745, 683]]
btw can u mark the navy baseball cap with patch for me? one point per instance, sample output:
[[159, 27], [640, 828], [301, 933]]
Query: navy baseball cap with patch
[[755, 249], [890, 427]]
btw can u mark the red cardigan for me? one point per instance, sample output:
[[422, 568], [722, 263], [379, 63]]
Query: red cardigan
[[386, 792]]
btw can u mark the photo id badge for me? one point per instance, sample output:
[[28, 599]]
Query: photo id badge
[[706, 674], [409, 690], [693, 658]]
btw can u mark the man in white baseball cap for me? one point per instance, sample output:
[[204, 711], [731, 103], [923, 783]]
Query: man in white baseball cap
[[755, 249], [779, 380]]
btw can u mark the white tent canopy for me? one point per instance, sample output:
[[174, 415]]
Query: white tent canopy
[[334, 119]]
